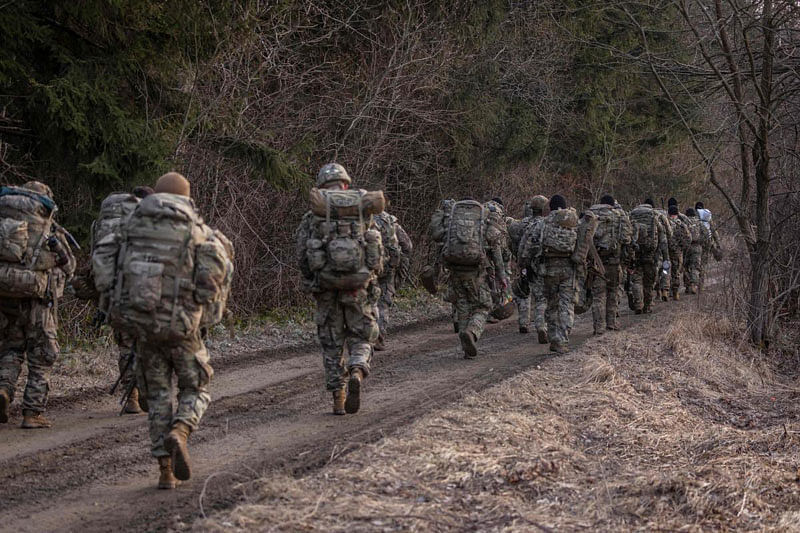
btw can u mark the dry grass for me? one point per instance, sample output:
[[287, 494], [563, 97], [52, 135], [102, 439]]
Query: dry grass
[[655, 429]]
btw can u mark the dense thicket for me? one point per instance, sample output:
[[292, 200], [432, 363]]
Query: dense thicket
[[423, 98]]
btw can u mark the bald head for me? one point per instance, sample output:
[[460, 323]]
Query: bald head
[[173, 183]]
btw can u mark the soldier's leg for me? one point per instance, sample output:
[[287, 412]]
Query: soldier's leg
[[522, 298], [551, 289], [42, 348], [385, 302], [331, 334], [361, 327], [613, 275], [676, 272], [480, 305], [155, 370], [12, 347], [636, 297], [190, 360], [599, 302], [649, 271], [539, 306], [126, 347]]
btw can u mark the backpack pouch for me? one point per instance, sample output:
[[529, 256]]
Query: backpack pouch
[[13, 240], [144, 289]]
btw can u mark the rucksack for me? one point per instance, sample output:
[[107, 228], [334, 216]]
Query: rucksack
[[391, 246], [681, 236], [114, 210], [465, 238], [26, 219], [613, 229], [697, 230], [169, 274], [644, 216], [559, 232], [345, 251]]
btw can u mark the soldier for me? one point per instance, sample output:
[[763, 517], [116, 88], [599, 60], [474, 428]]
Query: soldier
[[663, 263], [35, 264], [345, 300], [167, 276], [501, 296], [711, 246], [651, 243], [114, 211], [612, 240], [471, 251], [681, 239], [397, 248], [694, 254], [547, 251], [528, 290]]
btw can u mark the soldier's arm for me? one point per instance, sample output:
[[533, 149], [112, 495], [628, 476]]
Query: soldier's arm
[[406, 245]]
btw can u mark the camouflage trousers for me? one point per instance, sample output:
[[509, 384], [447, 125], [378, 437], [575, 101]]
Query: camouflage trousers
[[29, 329], [560, 283], [530, 300], [346, 319], [472, 300], [642, 281], [605, 298], [385, 302], [156, 363], [676, 271], [126, 344], [693, 264]]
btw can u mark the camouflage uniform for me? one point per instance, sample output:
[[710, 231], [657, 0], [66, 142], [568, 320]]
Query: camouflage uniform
[[663, 282], [681, 241], [397, 247], [605, 289], [645, 269], [529, 290], [29, 329], [500, 295], [343, 318], [189, 361]]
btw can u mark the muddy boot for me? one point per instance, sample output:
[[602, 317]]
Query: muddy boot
[[559, 347], [175, 443], [647, 310], [676, 295], [612, 328], [353, 402], [664, 295], [542, 334], [5, 401], [468, 344], [132, 405], [338, 401], [638, 311], [166, 479], [34, 420], [523, 329], [691, 289]]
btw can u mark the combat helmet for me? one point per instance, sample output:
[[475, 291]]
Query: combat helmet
[[332, 172], [538, 204]]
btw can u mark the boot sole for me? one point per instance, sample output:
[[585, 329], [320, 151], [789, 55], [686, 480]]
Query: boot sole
[[353, 402], [468, 345], [542, 337], [181, 466], [168, 486]]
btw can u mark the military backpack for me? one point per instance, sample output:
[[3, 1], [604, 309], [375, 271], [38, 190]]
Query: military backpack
[[559, 233], [26, 220], [166, 272], [465, 237], [345, 251], [114, 210], [644, 218], [613, 230]]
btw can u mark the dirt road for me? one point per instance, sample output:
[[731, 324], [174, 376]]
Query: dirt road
[[93, 472]]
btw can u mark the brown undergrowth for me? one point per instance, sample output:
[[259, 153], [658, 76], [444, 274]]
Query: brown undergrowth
[[663, 427]]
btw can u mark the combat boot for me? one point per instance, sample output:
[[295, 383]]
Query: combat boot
[[665, 295], [676, 295], [175, 443], [166, 479], [559, 347], [379, 345], [5, 401], [34, 420], [523, 329], [542, 334], [353, 402], [338, 401], [132, 405], [468, 344]]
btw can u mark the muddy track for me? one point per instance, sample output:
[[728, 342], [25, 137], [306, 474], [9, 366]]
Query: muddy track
[[93, 472]]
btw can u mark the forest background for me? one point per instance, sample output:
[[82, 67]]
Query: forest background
[[421, 98]]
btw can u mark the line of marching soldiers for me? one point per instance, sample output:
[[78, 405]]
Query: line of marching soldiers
[[161, 277]]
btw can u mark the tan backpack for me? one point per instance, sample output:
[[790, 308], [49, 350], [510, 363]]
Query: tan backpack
[[167, 273], [559, 233], [114, 210], [26, 220]]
